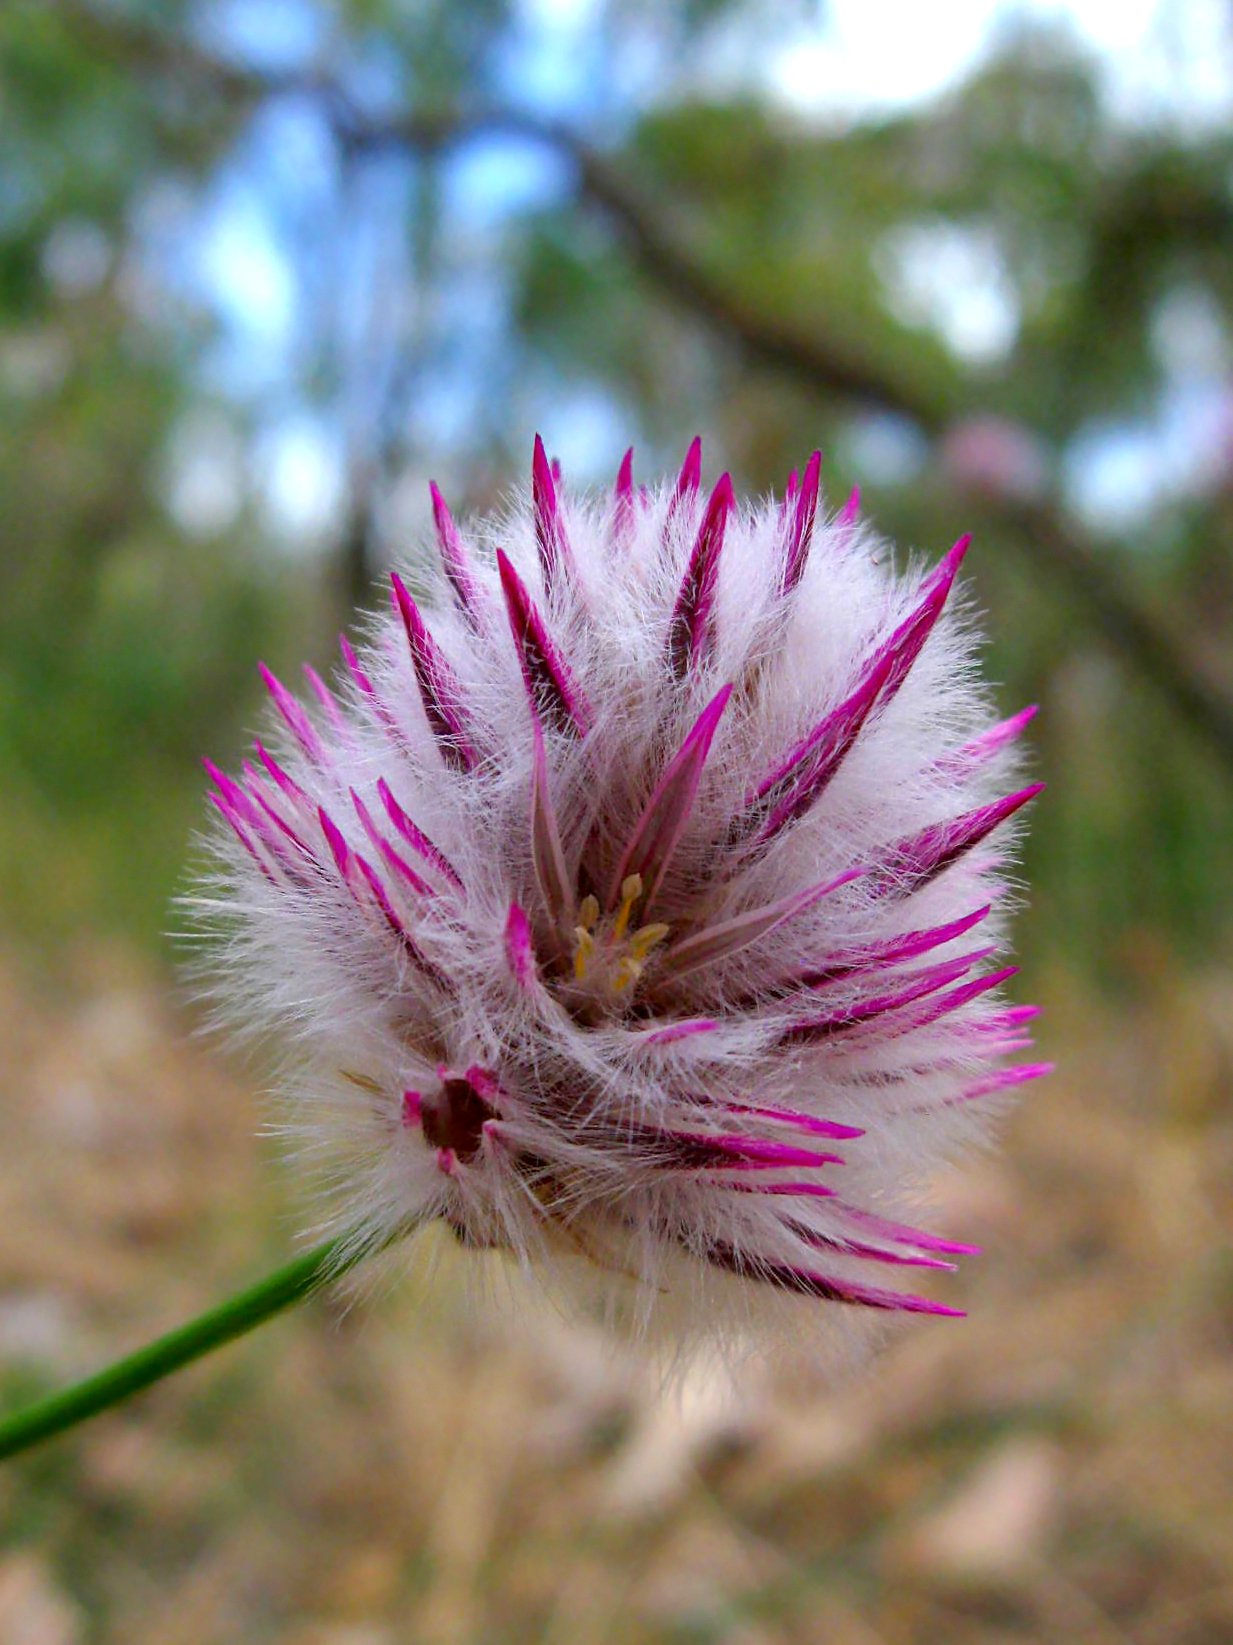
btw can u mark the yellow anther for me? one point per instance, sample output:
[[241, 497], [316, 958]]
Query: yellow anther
[[631, 890], [645, 938], [607, 953], [362, 1080], [583, 952]]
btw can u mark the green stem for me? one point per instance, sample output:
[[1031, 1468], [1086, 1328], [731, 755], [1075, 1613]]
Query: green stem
[[240, 1313]]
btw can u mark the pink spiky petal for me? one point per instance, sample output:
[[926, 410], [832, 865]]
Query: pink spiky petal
[[623, 501], [1005, 1079], [356, 670], [913, 862], [891, 952], [869, 1253], [799, 1121], [381, 897], [455, 561], [688, 481], [438, 685], [908, 641], [519, 948], [932, 1010], [691, 628], [269, 803], [294, 793], [800, 536], [393, 860], [658, 831], [801, 778], [229, 816], [914, 986], [688, 1150], [416, 838], [360, 877], [989, 743], [550, 538], [777, 1190], [827, 1287], [547, 853], [729, 937], [556, 698], [344, 861], [902, 1233], [328, 702], [261, 820], [686, 1028], [294, 717]]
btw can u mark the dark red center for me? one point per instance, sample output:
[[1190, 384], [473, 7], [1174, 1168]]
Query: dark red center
[[453, 1117]]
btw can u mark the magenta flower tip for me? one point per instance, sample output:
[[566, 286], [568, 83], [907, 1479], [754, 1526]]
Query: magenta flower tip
[[690, 477], [690, 636], [519, 948], [555, 697], [804, 514]]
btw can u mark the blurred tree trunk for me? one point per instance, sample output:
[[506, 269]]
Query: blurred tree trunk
[[354, 562]]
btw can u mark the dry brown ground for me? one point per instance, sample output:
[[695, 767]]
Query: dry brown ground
[[1057, 1468]]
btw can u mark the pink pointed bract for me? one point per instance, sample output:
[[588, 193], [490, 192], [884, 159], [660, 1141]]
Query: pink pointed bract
[[630, 859]]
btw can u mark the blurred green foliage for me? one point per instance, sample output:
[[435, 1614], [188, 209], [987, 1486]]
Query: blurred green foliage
[[128, 636], [126, 646]]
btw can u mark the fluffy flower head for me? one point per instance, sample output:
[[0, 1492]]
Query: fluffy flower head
[[634, 896]]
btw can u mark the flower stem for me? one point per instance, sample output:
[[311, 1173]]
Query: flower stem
[[230, 1319]]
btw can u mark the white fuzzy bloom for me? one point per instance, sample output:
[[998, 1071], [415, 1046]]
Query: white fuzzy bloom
[[640, 902]]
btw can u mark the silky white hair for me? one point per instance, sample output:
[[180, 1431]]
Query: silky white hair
[[635, 910]]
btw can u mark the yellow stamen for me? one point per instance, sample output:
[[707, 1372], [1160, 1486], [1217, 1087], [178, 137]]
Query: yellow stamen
[[362, 1080], [645, 938], [606, 951], [631, 890]]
